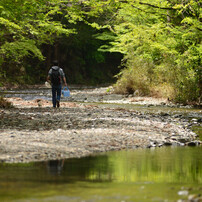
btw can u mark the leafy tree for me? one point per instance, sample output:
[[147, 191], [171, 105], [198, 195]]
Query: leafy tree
[[27, 24], [161, 41], [30, 27]]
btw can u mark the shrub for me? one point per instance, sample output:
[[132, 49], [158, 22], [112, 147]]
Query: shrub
[[136, 77]]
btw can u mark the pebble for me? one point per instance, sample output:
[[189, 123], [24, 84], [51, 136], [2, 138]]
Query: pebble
[[79, 131], [183, 193], [43, 133]]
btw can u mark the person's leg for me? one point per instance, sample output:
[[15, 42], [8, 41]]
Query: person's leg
[[54, 90], [59, 90]]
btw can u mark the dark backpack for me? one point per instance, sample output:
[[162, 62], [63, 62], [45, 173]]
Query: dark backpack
[[55, 77]]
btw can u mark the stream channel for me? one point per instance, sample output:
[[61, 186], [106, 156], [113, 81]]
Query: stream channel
[[168, 173]]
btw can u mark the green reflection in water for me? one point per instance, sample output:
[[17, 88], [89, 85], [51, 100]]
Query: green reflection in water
[[138, 175], [198, 131]]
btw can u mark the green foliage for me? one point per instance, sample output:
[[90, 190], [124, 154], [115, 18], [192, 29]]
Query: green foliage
[[26, 25], [81, 60], [136, 77], [19, 49], [161, 43]]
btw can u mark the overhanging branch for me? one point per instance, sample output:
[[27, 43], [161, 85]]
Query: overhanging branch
[[151, 5]]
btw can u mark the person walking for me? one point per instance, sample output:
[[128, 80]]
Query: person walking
[[56, 76]]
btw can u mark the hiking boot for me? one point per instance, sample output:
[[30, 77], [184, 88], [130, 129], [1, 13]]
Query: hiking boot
[[58, 103]]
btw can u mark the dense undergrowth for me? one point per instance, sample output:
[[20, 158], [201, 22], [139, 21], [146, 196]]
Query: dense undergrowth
[[144, 78]]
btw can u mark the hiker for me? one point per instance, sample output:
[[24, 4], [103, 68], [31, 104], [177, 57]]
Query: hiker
[[55, 77]]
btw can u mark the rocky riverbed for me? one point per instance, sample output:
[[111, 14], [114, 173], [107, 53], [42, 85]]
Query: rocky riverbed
[[34, 131]]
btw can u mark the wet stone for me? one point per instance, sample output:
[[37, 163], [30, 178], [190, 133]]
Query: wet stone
[[167, 143], [183, 140], [194, 143]]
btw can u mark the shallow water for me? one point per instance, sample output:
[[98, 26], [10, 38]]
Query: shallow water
[[160, 174], [85, 96], [156, 109], [29, 94]]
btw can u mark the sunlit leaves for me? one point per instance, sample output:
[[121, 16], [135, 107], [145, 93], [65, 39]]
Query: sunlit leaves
[[10, 25], [23, 22], [164, 33], [19, 49]]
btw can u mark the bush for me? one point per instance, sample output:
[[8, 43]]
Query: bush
[[178, 82], [135, 77]]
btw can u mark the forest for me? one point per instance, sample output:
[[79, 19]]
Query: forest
[[142, 47]]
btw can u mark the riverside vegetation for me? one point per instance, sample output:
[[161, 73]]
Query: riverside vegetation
[[157, 44]]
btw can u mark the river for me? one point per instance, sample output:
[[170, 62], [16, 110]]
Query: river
[[160, 174], [142, 174]]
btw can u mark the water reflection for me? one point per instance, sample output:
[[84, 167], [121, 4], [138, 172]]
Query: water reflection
[[93, 168], [138, 175], [55, 167], [28, 94], [159, 165]]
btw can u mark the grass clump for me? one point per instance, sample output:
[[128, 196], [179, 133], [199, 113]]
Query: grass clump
[[135, 77]]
